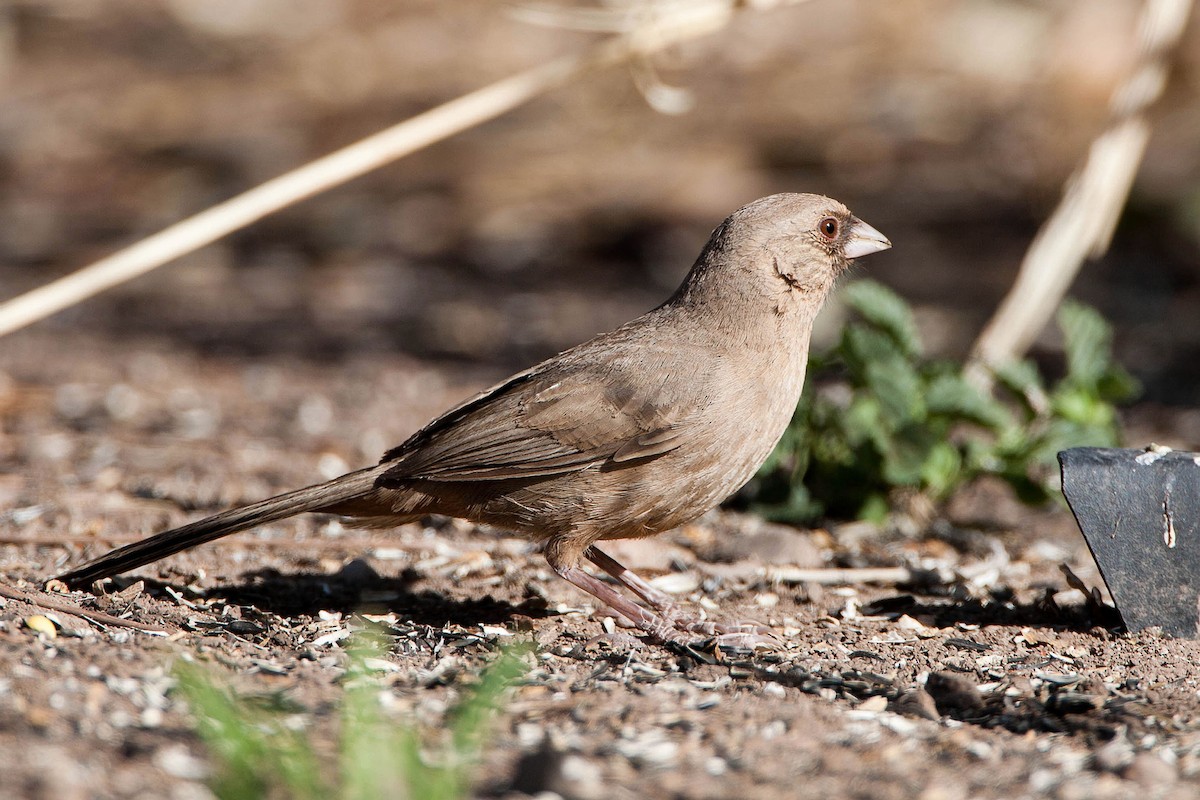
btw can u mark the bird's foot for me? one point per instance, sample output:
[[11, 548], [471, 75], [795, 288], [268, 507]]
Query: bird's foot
[[731, 636], [747, 641], [713, 635], [617, 642], [718, 629], [668, 609], [659, 627], [674, 620]]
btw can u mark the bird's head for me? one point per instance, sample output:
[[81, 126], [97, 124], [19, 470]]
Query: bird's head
[[803, 241], [789, 248]]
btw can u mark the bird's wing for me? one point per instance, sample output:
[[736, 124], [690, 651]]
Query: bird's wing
[[558, 417]]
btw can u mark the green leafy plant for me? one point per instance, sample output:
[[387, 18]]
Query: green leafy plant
[[893, 420], [260, 753]]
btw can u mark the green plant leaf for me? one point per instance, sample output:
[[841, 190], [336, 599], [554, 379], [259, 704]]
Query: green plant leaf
[[1021, 378], [906, 454], [894, 420], [951, 395], [469, 718], [942, 470], [896, 386], [259, 755], [863, 346], [253, 747], [1087, 339], [886, 311], [1118, 386], [874, 508]]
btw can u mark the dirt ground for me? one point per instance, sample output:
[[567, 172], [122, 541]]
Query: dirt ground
[[983, 676], [309, 343]]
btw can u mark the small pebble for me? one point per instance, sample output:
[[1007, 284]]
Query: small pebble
[[42, 625], [175, 760], [767, 599], [1114, 756], [773, 690], [953, 694], [875, 703], [1150, 771]]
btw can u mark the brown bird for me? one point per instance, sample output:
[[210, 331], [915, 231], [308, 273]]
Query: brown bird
[[630, 434]]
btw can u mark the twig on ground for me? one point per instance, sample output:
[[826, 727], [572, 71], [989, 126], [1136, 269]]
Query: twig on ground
[[1082, 225], [656, 26], [834, 576], [67, 608]]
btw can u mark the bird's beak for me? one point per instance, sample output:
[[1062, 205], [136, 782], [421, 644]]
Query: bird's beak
[[864, 240]]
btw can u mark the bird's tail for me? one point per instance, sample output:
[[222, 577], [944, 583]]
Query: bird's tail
[[323, 496]]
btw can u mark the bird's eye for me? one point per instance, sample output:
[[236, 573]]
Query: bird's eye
[[829, 228]]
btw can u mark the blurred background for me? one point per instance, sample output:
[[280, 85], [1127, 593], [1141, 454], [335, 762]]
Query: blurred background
[[950, 125]]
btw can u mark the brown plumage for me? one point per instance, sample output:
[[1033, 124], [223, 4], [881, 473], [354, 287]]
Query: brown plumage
[[632, 433]]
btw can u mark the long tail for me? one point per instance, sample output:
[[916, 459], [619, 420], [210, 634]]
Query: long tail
[[323, 496]]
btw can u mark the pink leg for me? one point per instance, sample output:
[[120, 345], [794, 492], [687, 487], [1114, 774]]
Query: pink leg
[[658, 627], [661, 602]]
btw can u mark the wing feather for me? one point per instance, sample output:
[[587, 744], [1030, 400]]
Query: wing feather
[[549, 421]]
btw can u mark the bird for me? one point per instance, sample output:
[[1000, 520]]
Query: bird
[[632, 433]]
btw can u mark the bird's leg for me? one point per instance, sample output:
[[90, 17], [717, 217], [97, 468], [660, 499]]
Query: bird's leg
[[662, 602], [644, 619], [658, 599], [564, 553]]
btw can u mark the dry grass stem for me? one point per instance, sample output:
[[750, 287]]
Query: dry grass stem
[[835, 576], [1082, 225], [98, 617], [658, 26]]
